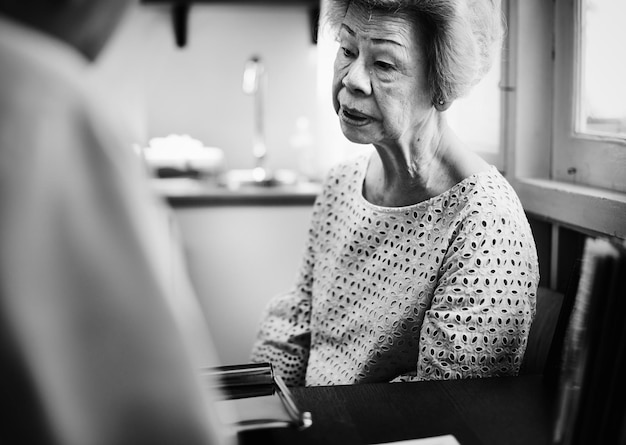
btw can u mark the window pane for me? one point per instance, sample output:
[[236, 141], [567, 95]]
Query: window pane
[[602, 68]]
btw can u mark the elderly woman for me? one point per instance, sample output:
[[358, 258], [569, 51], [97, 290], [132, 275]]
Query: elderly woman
[[420, 263]]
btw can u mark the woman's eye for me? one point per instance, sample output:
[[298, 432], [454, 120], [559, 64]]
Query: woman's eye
[[347, 52], [384, 65]]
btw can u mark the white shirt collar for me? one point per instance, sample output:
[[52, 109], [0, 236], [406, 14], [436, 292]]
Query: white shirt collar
[[23, 41]]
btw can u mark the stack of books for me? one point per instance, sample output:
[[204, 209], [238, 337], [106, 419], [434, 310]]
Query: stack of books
[[254, 397], [591, 407]]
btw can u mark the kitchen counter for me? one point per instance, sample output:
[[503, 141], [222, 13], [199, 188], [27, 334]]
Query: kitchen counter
[[189, 192]]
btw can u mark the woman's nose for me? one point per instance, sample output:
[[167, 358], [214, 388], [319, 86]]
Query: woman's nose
[[357, 79]]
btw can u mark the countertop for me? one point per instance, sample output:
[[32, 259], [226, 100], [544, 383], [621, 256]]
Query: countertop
[[183, 192]]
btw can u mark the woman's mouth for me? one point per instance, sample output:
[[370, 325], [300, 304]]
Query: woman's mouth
[[354, 117]]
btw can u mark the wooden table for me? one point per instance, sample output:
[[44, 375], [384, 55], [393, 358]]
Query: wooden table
[[493, 411]]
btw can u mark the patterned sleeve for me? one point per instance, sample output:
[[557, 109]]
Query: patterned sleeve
[[284, 337], [284, 334], [484, 303]]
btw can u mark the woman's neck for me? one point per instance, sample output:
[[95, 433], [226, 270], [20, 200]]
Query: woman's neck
[[408, 173]]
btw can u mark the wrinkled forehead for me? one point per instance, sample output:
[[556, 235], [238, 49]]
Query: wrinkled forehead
[[376, 23]]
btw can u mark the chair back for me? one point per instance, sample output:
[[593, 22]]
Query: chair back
[[547, 333], [542, 331]]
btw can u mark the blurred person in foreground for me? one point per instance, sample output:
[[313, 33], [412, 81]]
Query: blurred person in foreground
[[420, 262], [92, 344]]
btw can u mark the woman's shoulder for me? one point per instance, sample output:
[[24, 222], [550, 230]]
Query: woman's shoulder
[[489, 201], [492, 187], [347, 172], [486, 194], [487, 187], [353, 164]]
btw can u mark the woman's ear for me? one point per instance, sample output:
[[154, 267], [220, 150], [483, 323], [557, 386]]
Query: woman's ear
[[442, 105]]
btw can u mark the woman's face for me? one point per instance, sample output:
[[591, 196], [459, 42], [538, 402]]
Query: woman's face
[[379, 88]]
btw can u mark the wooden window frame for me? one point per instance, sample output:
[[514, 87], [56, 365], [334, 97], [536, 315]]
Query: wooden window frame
[[536, 158]]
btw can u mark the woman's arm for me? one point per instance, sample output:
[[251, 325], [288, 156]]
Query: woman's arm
[[484, 303], [284, 337]]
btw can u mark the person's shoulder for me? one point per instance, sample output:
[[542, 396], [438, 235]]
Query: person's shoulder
[[35, 55], [490, 187], [487, 194], [348, 168], [343, 179], [491, 202]]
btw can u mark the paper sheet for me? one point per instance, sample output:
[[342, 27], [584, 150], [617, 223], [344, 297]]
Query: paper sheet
[[448, 439]]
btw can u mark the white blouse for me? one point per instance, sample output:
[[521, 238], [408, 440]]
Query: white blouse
[[443, 289]]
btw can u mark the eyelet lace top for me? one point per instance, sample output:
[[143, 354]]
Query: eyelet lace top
[[443, 289]]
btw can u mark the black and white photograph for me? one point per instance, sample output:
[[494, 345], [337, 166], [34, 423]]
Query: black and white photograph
[[303, 222]]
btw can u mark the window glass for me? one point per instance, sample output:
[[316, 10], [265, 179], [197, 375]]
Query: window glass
[[601, 86]]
